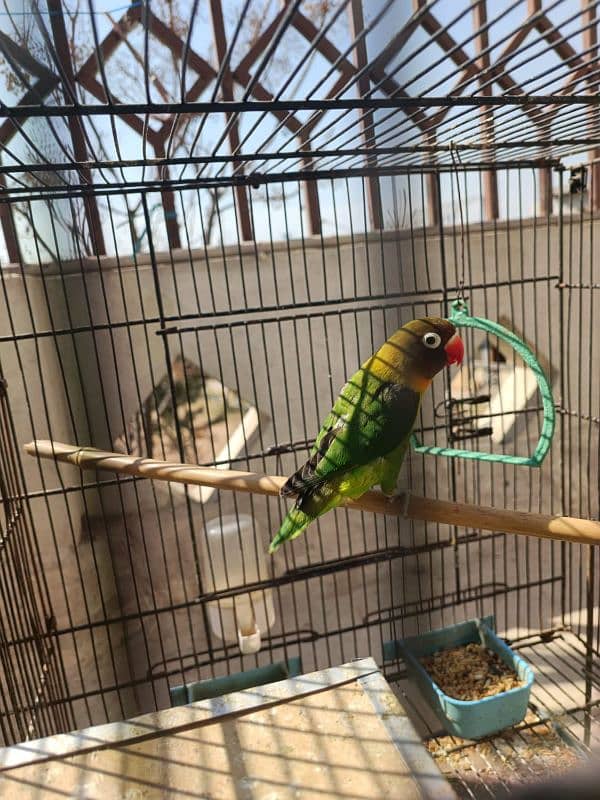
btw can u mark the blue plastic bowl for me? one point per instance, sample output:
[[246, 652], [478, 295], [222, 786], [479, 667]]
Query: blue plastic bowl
[[469, 719]]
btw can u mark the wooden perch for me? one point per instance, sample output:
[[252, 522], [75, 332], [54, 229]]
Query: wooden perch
[[544, 526]]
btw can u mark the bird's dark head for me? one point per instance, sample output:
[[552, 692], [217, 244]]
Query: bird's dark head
[[419, 350], [434, 343]]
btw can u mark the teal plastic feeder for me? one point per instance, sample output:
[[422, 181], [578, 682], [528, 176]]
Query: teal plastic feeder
[[469, 719]]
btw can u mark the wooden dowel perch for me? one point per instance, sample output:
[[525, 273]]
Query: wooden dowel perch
[[545, 526]]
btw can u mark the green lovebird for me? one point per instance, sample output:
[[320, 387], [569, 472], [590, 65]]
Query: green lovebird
[[364, 438]]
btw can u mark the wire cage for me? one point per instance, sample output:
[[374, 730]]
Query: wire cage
[[210, 214]]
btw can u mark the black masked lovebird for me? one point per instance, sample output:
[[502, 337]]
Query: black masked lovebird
[[364, 438]]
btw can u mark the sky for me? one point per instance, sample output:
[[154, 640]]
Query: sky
[[290, 74]]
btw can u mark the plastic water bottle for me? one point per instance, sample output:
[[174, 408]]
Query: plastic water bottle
[[233, 556]]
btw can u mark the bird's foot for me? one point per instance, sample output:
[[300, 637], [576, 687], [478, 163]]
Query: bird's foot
[[400, 497], [405, 503]]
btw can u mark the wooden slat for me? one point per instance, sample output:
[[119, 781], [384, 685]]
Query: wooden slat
[[165, 35], [515, 41], [136, 123], [80, 151], [45, 83], [377, 75], [590, 42], [490, 184], [545, 192], [367, 120], [241, 197], [447, 42], [41, 88], [9, 230], [88, 71], [168, 204], [311, 190], [557, 42], [23, 57], [260, 45]]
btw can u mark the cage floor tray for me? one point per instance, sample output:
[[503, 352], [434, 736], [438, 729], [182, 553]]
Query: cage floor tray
[[530, 752], [337, 733], [559, 730]]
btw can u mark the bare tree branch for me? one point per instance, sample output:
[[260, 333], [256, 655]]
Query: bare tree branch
[[127, 65], [35, 233]]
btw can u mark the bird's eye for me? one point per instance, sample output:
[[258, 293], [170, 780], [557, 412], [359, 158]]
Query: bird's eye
[[432, 340]]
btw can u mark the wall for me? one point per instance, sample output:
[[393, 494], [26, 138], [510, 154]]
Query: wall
[[81, 345]]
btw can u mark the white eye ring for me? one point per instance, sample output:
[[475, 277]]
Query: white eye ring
[[432, 340]]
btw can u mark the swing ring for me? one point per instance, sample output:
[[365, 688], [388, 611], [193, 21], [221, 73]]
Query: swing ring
[[461, 318], [459, 309]]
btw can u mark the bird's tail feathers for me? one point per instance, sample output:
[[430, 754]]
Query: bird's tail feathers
[[292, 526]]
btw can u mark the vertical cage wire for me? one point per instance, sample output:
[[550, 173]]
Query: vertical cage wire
[[281, 326], [173, 301], [33, 686]]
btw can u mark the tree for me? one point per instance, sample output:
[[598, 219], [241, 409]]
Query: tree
[[110, 55]]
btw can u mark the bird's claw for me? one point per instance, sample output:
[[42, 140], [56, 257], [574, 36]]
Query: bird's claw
[[405, 504], [400, 497]]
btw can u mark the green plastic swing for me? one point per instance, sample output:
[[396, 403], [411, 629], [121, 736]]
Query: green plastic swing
[[461, 318]]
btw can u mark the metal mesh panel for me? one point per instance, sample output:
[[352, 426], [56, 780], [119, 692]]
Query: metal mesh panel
[[192, 269]]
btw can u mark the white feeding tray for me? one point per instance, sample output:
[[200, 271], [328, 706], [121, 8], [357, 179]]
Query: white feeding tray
[[213, 422]]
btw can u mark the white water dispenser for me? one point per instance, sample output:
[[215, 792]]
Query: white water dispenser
[[234, 555]]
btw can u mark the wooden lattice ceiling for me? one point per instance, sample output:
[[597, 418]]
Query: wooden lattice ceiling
[[387, 89]]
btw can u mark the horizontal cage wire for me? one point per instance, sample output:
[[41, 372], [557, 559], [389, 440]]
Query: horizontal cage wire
[[210, 215]]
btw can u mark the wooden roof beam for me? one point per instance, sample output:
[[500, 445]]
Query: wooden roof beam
[[241, 198], [590, 42], [490, 183], [367, 120], [76, 130]]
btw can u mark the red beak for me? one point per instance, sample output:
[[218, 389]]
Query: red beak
[[455, 350]]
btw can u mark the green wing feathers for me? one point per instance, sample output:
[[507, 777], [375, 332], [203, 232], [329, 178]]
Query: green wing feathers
[[369, 424]]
